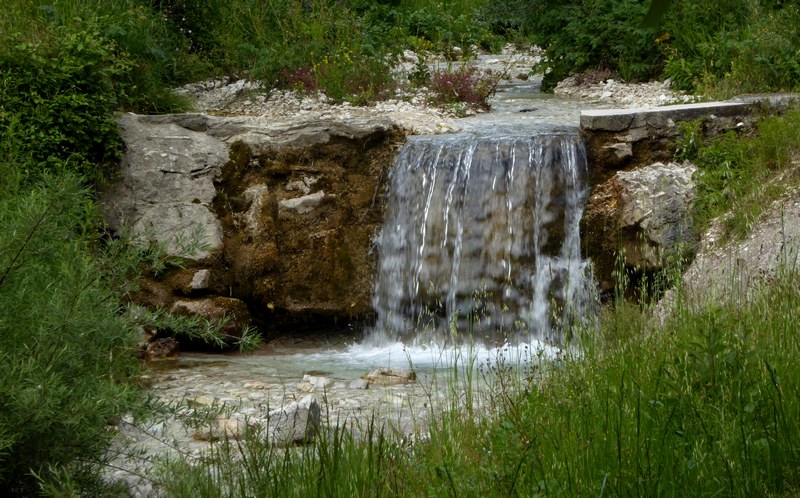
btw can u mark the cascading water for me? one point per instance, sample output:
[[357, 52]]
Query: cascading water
[[481, 240]]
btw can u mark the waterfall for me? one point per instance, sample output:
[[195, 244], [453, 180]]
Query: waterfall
[[481, 239]]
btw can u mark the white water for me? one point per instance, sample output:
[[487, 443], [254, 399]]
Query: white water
[[481, 241]]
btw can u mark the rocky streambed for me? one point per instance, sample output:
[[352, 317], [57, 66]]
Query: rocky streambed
[[289, 193], [292, 388]]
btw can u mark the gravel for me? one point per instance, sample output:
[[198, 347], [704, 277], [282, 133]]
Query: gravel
[[411, 109]]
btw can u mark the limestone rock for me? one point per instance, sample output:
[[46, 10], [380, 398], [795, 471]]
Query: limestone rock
[[276, 204], [256, 384], [166, 187], [296, 423], [217, 308], [359, 384], [318, 382], [731, 270], [304, 204], [644, 212], [390, 376], [200, 280], [231, 428]]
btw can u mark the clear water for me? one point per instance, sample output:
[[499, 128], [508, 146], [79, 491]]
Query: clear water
[[481, 240]]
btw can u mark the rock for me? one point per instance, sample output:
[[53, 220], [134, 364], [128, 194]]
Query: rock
[[225, 179], [296, 423], [215, 309], [390, 376], [305, 387], [231, 428], [203, 400], [646, 213], [319, 382], [166, 187], [621, 152], [359, 384], [303, 185], [206, 436], [731, 271], [146, 333], [200, 280], [651, 133], [165, 348], [304, 204], [256, 384]]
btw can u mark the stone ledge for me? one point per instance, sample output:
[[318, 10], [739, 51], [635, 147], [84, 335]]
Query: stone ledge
[[615, 120]]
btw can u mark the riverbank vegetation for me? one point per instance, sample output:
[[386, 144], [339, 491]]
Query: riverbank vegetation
[[710, 47], [706, 404]]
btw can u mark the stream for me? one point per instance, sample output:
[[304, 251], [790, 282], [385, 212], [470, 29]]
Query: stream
[[331, 367]]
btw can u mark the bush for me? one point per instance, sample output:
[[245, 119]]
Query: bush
[[462, 85], [58, 102], [714, 47], [593, 34], [65, 352], [132, 32]]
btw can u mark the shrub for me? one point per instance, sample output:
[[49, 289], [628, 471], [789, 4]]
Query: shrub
[[59, 102], [462, 85], [65, 352], [715, 47], [131, 31], [593, 34]]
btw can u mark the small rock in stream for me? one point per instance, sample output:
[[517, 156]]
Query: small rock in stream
[[359, 384], [390, 376]]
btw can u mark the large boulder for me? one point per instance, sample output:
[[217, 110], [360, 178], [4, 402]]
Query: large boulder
[[166, 186], [642, 216], [295, 423], [284, 213]]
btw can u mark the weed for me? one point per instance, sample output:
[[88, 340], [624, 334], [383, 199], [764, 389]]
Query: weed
[[462, 85]]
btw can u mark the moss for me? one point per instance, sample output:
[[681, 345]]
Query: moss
[[239, 156]]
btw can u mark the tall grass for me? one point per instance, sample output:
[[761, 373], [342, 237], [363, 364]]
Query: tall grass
[[739, 175], [706, 405]]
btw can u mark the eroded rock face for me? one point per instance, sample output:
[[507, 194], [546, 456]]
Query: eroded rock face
[[625, 139], [643, 214], [729, 270], [232, 312], [285, 211], [166, 186]]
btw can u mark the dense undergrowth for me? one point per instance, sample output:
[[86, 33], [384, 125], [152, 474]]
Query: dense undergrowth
[[707, 404], [711, 47]]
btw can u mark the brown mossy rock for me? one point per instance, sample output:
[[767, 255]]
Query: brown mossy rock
[[165, 348], [299, 224], [296, 203]]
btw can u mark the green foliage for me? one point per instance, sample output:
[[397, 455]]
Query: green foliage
[[730, 47], [56, 102], [126, 29], [593, 34], [698, 407], [718, 48], [704, 405], [65, 352], [736, 176]]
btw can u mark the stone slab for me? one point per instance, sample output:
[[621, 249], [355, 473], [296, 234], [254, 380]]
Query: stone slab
[[615, 120]]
